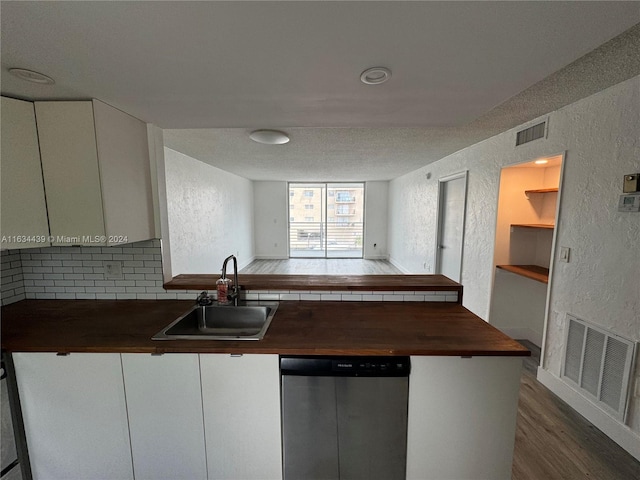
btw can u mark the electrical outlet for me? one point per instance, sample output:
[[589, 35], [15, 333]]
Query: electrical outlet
[[565, 252], [113, 271]]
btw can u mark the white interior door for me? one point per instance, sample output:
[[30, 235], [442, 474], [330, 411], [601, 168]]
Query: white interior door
[[451, 214]]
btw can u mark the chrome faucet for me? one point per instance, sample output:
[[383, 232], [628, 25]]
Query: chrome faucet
[[235, 289]]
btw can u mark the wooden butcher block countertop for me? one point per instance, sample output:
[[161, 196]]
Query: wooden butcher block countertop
[[321, 282], [298, 328]]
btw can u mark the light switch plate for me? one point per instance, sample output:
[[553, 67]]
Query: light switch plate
[[564, 254]]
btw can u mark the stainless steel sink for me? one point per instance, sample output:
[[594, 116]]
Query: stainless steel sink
[[248, 321]]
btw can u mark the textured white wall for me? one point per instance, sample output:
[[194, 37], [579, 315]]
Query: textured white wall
[[271, 209], [376, 219], [600, 284], [210, 215]]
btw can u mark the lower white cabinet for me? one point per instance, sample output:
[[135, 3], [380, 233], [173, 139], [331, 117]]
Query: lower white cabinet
[[75, 416], [92, 416], [462, 417], [241, 398], [165, 416]]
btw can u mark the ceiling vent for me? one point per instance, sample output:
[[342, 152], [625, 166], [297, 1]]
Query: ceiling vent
[[532, 133], [598, 363]]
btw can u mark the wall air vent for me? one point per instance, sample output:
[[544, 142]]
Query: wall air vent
[[598, 363], [532, 133]]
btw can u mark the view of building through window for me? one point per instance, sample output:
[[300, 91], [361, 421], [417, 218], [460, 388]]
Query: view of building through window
[[326, 220]]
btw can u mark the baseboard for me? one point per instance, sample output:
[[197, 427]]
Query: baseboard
[[393, 262], [523, 333], [612, 428], [270, 257], [376, 257]]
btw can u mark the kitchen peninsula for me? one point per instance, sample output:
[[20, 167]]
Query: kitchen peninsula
[[84, 367]]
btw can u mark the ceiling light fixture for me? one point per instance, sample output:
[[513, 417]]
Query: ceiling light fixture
[[269, 137], [31, 76], [542, 161], [375, 75]]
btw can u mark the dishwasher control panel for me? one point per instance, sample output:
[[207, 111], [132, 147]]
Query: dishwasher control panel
[[348, 366]]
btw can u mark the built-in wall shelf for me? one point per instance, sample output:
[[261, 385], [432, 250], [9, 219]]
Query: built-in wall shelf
[[541, 190], [533, 225], [534, 272]]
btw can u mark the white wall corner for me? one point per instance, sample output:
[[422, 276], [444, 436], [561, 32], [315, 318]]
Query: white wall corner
[[617, 431]]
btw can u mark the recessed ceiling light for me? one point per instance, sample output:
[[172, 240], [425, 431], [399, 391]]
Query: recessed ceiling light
[[375, 75], [31, 76], [269, 137], [542, 161]]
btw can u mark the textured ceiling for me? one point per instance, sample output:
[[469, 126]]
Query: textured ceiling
[[462, 71], [344, 154]]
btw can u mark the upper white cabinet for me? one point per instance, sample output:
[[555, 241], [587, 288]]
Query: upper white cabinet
[[24, 211], [164, 404], [75, 416], [95, 163], [241, 399]]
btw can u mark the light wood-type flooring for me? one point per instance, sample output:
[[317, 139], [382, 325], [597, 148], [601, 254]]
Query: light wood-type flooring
[[554, 442], [321, 266]]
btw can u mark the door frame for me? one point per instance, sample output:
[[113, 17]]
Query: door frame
[[554, 242], [439, 224]]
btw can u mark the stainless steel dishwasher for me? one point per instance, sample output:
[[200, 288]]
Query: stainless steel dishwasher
[[344, 417]]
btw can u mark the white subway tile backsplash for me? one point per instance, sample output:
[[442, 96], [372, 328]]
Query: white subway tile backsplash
[[310, 296], [413, 298], [42, 269], [52, 263], [104, 296], [352, 298], [65, 296], [372, 298], [146, 296], [331, 297], [125, 296], [392, 298], [290, 296], [85, 296]]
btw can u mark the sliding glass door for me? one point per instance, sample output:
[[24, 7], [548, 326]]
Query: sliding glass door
[[326, 220]]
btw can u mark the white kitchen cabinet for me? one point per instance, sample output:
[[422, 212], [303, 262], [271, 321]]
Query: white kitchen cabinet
[[75, 416], [24, 211], [462, 417], [95, 163], [241, 401], [164, 405]]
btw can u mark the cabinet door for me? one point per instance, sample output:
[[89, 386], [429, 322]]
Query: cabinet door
[[70, 168], [75, 417], [462, 417], [125, 176], [24, 211], [241, 401], [164, 404]]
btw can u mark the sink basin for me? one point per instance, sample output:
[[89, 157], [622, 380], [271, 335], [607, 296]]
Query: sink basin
[[249, 321]]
